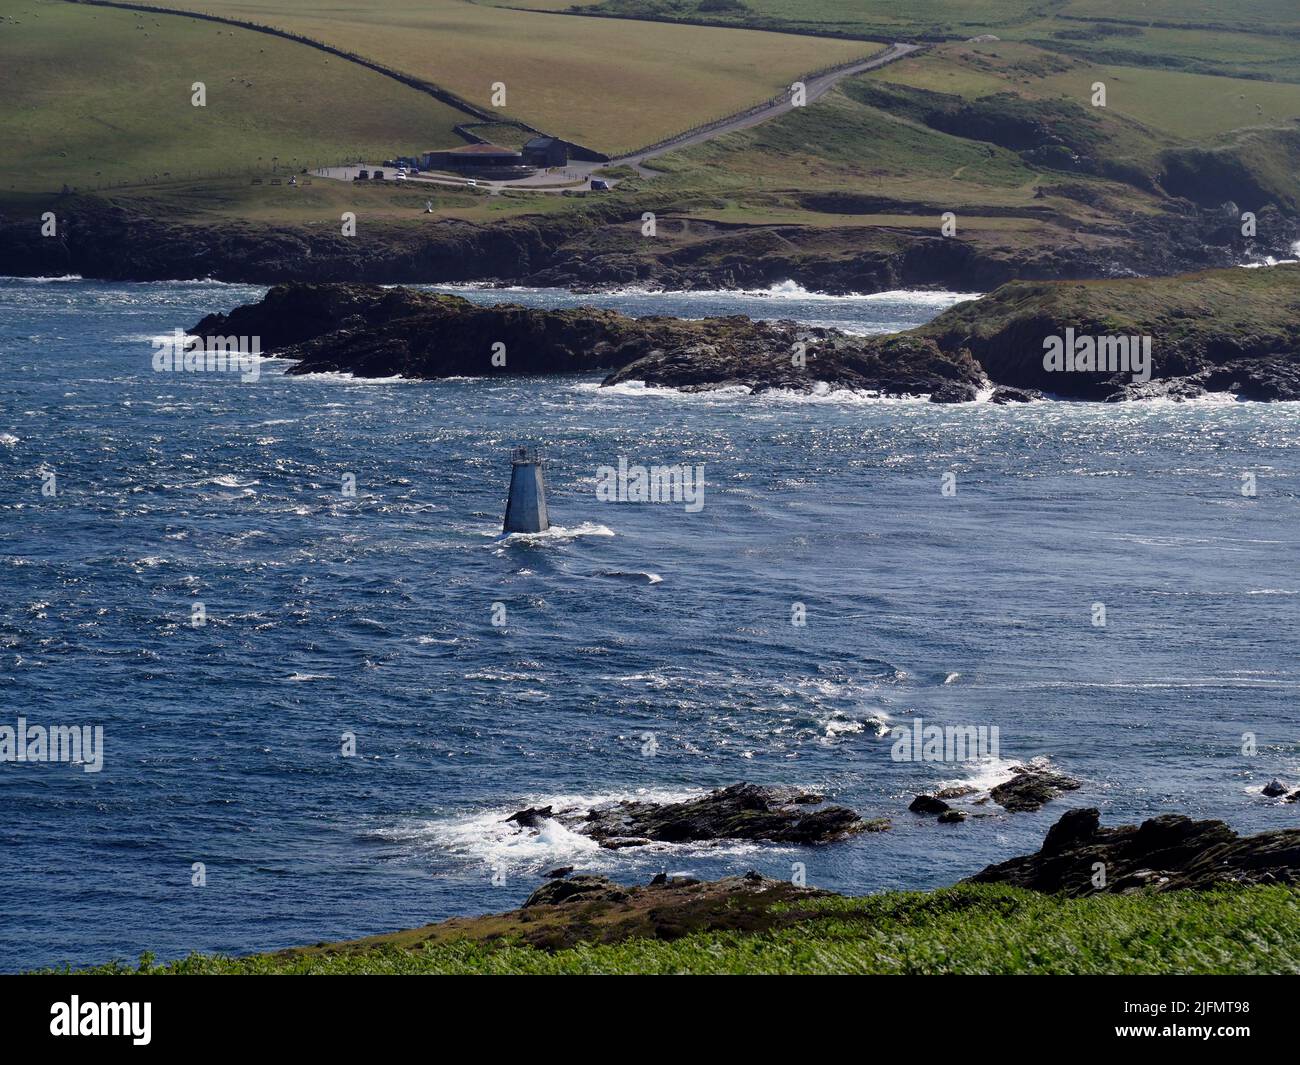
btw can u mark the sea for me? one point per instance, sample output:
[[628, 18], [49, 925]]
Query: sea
[[323, 679]]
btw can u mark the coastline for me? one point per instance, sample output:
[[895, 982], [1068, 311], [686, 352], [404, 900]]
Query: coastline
[[1182, 896]]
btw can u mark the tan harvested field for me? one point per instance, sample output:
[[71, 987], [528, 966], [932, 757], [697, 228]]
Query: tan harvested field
[[611, 84]]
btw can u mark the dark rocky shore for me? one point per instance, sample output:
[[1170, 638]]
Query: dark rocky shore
[[1166, 853], [1230, 331], [1162, 855], [377, 332], [599, 246]]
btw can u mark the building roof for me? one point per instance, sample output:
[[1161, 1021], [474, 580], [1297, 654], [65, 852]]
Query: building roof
[[540, 142], [482, 149]]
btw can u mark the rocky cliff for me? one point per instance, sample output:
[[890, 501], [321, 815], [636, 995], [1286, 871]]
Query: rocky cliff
[[1231, 331]]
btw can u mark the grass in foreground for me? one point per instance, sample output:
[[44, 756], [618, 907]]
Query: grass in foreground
[[965, 929]]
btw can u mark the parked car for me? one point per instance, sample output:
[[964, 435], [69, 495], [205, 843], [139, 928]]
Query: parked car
[[399, 176], [599, 185], [378, 175], [362, 175], [471, 183]]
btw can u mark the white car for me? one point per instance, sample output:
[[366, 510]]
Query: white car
[[471, 183], [399, 176]]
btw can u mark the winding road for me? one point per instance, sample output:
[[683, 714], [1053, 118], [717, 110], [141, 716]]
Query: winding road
[[815, 89], [578, 174]]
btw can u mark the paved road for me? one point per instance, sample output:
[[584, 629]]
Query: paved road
[[577, 175]]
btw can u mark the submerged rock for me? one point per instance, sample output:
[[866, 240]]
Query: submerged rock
[[532, 817], [1274, 788], [1030, 788], [927, 804], [1162, 854], [739, 812]]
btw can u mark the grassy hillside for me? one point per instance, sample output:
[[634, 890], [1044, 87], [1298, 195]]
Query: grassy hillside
[[1167, 102], [957, 930], [1244, 38], [95, 95], [610, 84]]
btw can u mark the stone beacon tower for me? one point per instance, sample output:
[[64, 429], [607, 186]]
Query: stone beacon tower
[[526, 508]]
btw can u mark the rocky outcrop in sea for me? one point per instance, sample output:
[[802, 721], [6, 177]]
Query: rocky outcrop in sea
[[739, 812], [1165, 853]]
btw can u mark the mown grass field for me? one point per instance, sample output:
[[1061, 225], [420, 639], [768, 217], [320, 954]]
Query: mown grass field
[[218, 200], [1222, 14], [95, 95], [610, 84], [965, 930], [1243, 37], [1192, 107]]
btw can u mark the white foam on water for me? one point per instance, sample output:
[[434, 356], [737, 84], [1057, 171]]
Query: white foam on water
[[8, 439], [555, 534], [780, 290], [485, 837], [822, 392]]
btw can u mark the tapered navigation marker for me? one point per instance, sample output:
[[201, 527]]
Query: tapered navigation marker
[[526, 507]]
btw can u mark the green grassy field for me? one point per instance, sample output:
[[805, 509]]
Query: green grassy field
[[1221, 14], [1184, 106], [610, 84], [965, 929], [96, 95]]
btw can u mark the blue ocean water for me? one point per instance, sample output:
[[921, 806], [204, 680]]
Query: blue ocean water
[[372, 615]]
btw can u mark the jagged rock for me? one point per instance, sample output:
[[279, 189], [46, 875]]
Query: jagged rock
[[1246, 343], [583, 888], [741, 811], [1075, 827], [1014, 395], [927, 804], [957, 791], [1030, 788], [953, 393], [376, 332], [558, 874], [532, 817], [949, 817], [1274, 788], [1162, 854]]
